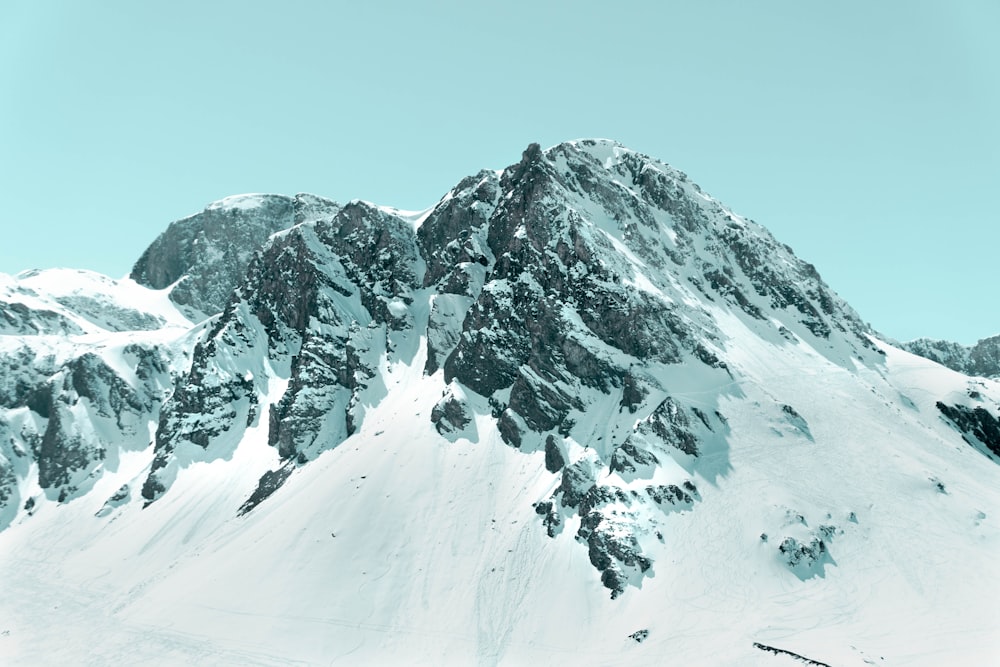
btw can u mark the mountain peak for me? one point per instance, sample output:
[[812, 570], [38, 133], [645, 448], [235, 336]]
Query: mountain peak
[[246, 201], [202, 257]]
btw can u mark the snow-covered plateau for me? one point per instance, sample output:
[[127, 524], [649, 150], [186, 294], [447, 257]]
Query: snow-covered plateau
[[578, 412]]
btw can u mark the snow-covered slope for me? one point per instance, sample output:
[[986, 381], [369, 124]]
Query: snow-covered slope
[[578, 411]]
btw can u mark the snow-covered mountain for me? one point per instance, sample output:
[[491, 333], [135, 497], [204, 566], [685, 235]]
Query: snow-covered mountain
[[578, 411], [981, 359]]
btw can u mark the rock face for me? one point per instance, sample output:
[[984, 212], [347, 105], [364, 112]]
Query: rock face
[[82, 378], [978, 424], [321, 305], [575, 304], [982, 359], [210, 250], [74, 417]]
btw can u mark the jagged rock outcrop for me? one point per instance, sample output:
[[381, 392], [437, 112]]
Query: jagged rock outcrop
[[319, 307], [78, 388], [452, 415], [453, 242], [87, 410], [17, 318], [975, 423], [579, 236], [807, 559], [210, 250], [985, 358]]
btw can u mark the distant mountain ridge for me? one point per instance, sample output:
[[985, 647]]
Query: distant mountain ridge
[[981, 359], [577, 410]]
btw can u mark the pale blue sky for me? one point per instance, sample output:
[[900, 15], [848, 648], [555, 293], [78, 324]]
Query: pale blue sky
[[863, 134]]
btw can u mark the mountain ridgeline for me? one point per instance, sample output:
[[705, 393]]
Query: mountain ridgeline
[[553, 289], [982, 359], [586, 305]]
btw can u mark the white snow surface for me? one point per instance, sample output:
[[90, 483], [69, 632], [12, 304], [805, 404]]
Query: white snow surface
[[92, 301], [247, 201], [415, 218]]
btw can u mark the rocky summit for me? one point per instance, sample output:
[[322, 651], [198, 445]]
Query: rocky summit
[[577, 411]]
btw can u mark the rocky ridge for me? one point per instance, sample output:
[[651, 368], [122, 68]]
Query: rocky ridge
[[208, 252]]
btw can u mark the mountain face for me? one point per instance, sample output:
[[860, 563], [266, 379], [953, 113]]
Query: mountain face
[[206, 254], [981, 359], [576, 407]]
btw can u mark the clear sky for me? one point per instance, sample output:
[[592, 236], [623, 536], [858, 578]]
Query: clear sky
[[863, 134]]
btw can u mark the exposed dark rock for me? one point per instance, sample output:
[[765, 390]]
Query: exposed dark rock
[[269, 482], [109, 315], [24, 379], [448, 238], [794, 656], [542, 405], [203, 404], [938, 485], [796, 421], [613, 550], [550, 517], [322, 298], [598, 496], [65, 456], [17, 318], [639, 636], [672, 494], [212, 399], [91, 378], [117, 499], [628, 457], [975, 423], [62, 453], [451, 413], [379, 254], [577, 479], [805, 559], [633, 393], [211, 250], [671, 425], [9, 492], [554, 459], [709, 358], [325, 375], [152, 488], [984, 357], [567, 281], [510, 431]]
